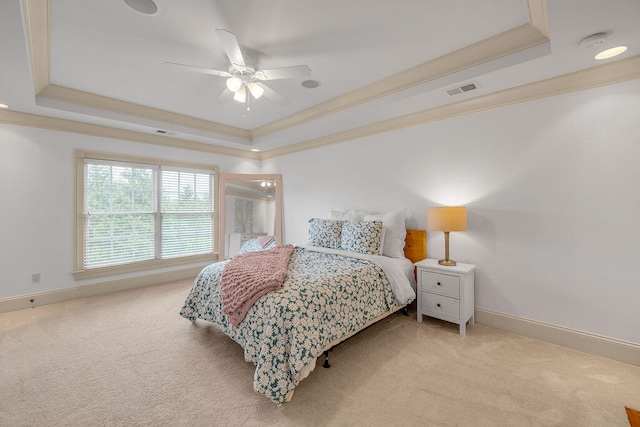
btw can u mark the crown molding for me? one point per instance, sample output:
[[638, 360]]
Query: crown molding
[[91, 100], [535, 33], [37, 24], [607, 74], [538, 16], [510, 42], [37, 15], [507, 43], [63, 125], [614, 72]]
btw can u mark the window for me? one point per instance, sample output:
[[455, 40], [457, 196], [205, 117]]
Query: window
[[119, 213], [187, 213], [137, 214]]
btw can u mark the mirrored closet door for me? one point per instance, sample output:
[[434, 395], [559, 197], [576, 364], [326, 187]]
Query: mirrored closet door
[[250, 206]]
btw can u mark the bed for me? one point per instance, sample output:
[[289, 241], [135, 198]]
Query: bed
[[329, 294]]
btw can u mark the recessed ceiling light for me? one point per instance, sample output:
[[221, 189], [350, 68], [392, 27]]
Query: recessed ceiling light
[[310, 84], [610, 53], [255, 150], [146, 7], [599, 40], [4, 106]]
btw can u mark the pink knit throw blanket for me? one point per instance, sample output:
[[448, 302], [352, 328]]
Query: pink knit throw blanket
[[249, 276]]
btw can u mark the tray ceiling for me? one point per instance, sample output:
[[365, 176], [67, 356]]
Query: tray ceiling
[[100, 63]]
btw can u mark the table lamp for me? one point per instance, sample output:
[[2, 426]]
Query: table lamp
[[448, 218]]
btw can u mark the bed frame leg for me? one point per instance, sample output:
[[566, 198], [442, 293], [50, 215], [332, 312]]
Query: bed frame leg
[[326, 359], [405, 310]]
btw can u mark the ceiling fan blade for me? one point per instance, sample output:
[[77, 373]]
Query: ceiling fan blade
[[226, 96], [293, 72], [273, 96], [231, 47], [198, 69]]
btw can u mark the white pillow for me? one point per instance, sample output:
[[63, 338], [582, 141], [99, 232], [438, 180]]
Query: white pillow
[[395, 231], [351, 215]]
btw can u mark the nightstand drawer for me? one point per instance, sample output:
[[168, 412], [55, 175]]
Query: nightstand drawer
[[441, 283], [440, 306]]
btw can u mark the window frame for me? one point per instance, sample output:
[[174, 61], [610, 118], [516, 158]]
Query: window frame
[[80, 272]]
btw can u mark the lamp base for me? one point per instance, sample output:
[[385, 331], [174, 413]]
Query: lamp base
[[447, 262]]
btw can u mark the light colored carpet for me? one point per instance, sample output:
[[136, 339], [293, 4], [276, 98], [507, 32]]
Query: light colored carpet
[[127, 358]]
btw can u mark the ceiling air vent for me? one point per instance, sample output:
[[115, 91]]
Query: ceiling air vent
[[464, 88]]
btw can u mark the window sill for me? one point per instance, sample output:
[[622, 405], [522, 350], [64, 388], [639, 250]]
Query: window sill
[[92, 273]]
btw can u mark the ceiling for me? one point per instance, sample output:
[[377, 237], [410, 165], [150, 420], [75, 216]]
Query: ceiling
[[95, 66]]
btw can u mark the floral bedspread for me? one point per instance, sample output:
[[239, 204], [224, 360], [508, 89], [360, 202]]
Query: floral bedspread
[[325, 297]]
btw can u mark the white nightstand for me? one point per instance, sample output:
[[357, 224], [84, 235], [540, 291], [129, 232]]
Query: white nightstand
[[446, 292]]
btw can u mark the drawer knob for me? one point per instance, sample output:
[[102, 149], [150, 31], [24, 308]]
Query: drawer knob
[[439, 284], [438, 304]]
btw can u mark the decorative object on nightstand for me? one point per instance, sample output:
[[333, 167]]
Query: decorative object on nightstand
[[446, 293], [448, 218]]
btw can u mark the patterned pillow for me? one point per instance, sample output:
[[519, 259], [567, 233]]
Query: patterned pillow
[[325, 233], [363, 237]]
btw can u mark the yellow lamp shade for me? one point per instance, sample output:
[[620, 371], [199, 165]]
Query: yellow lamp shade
[[448, 218]]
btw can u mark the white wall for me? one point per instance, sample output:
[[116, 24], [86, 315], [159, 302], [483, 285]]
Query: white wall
[[37, 202], [552, 194], [550, 188]]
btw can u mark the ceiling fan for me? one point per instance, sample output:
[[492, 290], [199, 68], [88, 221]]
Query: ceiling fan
[[243, 79]]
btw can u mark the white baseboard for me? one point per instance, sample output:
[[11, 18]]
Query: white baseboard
[[60, 295], [612, 348]]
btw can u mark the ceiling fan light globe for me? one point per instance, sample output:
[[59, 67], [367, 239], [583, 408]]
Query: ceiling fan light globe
[[234, 84], [256, 90], [240, 95]]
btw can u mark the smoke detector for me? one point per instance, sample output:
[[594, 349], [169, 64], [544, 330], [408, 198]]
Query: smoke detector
[[596, 39]]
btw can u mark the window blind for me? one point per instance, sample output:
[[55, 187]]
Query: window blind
[[187, 213], [135, 212], [120, 213]]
